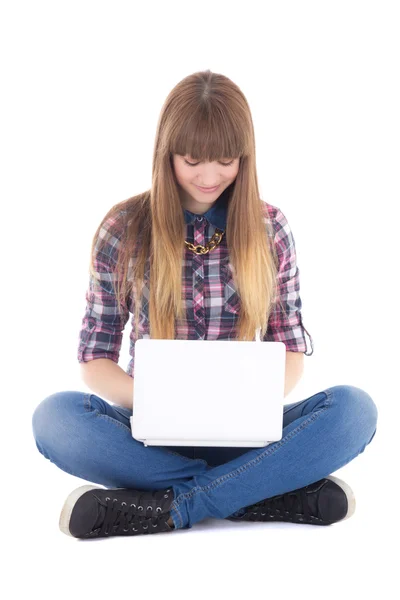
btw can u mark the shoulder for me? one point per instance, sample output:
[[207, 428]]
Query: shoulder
[[110, 235], [113, 224]]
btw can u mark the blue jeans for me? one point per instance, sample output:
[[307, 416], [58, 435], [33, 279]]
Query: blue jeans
[[90, 438]]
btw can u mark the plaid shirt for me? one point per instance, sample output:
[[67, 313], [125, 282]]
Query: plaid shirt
[[211, 300]]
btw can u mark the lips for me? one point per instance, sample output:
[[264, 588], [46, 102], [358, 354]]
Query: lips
[[209, 189]]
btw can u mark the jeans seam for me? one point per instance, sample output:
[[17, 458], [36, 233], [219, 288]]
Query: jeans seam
[[327, 393], [285, 412], [97, 413], [115, 421], [329, 396], [178, 513], [172, 507], [86, 402], [270, 450]]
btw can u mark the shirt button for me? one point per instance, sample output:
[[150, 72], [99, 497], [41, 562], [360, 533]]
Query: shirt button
[[199, 218]]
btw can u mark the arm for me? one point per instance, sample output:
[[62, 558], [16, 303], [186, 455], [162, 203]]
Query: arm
[[285, 323], [293, 370], [106, 379], [104, 321]]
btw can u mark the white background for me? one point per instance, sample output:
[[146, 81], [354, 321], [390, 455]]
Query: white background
[[82, 87]]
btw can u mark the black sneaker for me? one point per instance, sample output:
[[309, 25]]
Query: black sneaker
[[92, 512], [321, 503]]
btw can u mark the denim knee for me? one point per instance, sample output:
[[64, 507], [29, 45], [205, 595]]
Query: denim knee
[[49, 412], [358, 409]]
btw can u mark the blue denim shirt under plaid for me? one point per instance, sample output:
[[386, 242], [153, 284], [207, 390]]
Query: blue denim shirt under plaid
[[211, 300]]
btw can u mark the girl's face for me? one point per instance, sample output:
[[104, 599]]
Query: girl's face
[[191, 179]]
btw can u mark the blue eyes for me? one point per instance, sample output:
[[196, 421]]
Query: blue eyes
[[195, 164]]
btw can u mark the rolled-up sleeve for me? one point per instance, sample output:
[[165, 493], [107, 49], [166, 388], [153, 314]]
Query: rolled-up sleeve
[[103, 322], [285, 323]]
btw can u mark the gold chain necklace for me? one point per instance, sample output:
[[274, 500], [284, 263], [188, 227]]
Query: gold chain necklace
[[213, 243]]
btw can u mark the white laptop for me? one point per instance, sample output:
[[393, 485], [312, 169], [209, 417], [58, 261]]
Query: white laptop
[[208, 392]]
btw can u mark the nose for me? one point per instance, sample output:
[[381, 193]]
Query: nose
[[210, 176]]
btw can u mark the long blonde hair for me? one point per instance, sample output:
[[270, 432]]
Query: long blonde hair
[[207, 117]]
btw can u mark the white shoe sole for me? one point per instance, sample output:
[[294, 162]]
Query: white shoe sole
[[66, 511]]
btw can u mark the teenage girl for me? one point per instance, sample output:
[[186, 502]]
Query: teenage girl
[[198, 256]]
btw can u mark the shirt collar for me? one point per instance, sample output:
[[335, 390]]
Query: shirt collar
[[216, 215]]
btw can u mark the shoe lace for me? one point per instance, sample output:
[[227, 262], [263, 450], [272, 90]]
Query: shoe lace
[[292, 504], [118, 517]]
